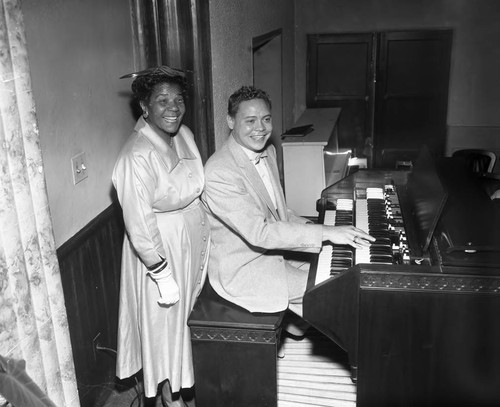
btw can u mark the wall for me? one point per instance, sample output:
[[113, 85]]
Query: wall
[[474, 98], [77, 51], [233, 24]]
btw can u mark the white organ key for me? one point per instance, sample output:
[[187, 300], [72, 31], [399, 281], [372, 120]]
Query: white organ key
[[374, 193], [329, 218], [344, 204], [325, 256], [324, 261], [362, 254]]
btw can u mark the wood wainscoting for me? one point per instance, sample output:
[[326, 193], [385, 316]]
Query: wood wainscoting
[[90, 273]]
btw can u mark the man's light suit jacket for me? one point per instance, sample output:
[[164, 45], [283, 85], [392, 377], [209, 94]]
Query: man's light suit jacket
[[249, 235]]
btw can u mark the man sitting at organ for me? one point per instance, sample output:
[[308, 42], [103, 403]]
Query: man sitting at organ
[[252, 227]]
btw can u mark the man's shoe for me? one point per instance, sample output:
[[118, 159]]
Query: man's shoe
[[294, 336]]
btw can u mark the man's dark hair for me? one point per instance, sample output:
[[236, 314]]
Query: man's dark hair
[[243, 94]]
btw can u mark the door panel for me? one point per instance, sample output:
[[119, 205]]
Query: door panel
[[408, 122], [412, 93], [339, 74], [337, 59]]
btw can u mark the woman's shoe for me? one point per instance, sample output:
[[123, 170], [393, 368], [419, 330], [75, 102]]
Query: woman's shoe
[[169, 399]]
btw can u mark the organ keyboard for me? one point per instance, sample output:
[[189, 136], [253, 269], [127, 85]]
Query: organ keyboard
[[416, 311], [373, 214], [334, 258]]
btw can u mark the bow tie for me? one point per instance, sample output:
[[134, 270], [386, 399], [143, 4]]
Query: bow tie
[[259, 156]]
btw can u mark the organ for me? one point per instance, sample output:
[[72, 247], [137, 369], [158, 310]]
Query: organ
[[417, 313]]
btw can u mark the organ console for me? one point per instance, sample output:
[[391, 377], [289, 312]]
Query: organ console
[[417, 312]]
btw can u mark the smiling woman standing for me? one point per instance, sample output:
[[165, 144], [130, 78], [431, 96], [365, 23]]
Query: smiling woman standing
[[159, 178]]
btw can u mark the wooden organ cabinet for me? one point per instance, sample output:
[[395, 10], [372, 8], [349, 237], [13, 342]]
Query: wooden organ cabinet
[[417, 311]]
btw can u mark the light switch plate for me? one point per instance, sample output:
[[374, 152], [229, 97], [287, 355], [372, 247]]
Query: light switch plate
[[79, 168]]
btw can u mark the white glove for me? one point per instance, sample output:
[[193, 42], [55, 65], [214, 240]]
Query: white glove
[[167, 286]]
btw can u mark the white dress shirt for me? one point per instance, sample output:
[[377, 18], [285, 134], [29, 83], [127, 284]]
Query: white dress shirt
[[259, 161]]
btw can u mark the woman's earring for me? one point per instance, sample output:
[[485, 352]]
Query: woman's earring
[[145, 114]]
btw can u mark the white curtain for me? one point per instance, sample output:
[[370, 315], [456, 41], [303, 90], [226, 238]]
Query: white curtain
[[33, 323]]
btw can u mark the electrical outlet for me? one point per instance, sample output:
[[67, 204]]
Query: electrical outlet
[[79, 168], [95, 343]]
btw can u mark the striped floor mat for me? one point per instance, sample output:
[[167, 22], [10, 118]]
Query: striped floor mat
[[314, 372]]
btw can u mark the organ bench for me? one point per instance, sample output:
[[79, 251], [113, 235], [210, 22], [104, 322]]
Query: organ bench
[[234, 353]]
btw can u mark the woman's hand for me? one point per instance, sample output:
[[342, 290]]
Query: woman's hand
[[347, 235], [167, 286]]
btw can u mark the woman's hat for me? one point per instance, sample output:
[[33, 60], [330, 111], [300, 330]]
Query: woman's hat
[[157, 70]]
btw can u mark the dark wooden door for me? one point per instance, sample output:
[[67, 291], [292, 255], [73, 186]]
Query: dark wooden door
[[392, 88], [339, 74], [411, 94]]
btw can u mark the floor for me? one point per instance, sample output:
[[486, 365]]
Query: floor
[[131, 397], [311, 372], [314, 372], [134, 397]]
